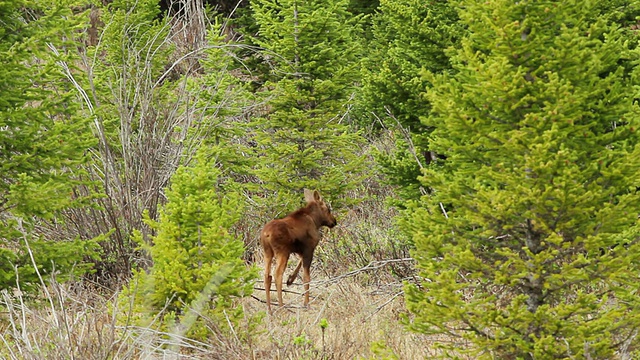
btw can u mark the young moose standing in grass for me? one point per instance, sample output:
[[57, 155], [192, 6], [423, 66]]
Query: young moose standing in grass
[[297, 233]]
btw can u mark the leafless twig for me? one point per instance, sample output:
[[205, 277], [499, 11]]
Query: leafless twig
[[383, 305], [371, 266]]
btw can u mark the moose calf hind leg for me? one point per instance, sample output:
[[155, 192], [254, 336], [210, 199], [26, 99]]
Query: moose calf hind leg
[[267, 288], [281, 264], [268, 259]]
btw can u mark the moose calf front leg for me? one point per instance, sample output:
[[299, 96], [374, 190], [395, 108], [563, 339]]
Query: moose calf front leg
[[293, 276], [306, 276]]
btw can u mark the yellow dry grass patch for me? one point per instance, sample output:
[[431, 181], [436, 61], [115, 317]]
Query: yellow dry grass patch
[[359, 320]]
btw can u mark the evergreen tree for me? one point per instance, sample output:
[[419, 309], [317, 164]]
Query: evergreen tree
[[43, 142], [410, 37], [197, 261], [221, 101], [305, 138], [529, 241]]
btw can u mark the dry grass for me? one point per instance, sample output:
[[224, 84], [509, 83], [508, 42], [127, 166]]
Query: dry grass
[[67, 324], [75, 323], [358, 319]]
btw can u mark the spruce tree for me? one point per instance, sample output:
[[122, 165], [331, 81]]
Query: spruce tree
[[222, 99], [528, 243], [305, 140], [44, 140], [410, 38], [197, 260]]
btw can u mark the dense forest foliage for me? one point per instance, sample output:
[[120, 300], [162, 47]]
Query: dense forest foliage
[[487, 152]]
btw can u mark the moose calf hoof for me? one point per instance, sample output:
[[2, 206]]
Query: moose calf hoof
[[290, 281]]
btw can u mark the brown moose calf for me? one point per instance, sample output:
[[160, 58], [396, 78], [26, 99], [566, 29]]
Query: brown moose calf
[[296, 233]]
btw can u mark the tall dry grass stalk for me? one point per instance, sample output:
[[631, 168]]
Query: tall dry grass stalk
[[76, 326], [85, 325]]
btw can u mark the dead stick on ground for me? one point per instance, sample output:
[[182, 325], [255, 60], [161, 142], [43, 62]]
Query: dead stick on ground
[[382, 306], [371, 266], [283, 290]]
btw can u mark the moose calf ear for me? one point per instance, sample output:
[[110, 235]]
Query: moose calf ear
[[316, 195], [308, 195]]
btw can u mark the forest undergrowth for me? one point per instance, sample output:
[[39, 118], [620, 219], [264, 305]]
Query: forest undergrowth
[[356, 310]]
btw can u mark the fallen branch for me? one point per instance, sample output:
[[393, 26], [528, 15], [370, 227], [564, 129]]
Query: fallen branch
[[283, 290], [371, 266], [382, 306]]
